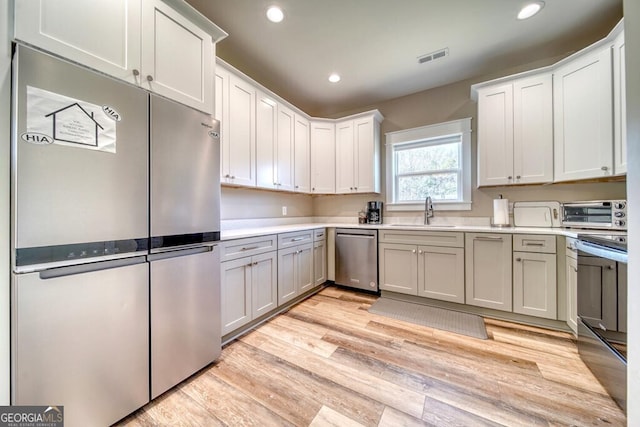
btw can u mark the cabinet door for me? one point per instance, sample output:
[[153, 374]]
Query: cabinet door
[[597, 293], [583, 118], [344, 157], [266, 138], [235, 293], [304, 268], [301, 161], [533, 130], [571, 274], [488, 270], [240, 143], [319, 263], [534, 284], [221, 113], [177, 57], [495, 135], [619, 107], [366, 171], [284, 158], [441, 273], [323, 157], [104, 35], [398, 268], [264, 283], [287, 285]]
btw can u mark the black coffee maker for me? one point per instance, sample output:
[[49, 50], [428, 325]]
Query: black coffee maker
[[374, 212]]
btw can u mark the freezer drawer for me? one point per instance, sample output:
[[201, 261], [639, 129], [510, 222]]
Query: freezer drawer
[[185, 314], [82, 341], [357, 259]]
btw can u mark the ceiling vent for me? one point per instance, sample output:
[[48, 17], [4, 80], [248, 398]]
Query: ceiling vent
[[429, 57]]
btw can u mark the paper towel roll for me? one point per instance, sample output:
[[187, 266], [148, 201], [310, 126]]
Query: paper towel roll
[[501, 212]]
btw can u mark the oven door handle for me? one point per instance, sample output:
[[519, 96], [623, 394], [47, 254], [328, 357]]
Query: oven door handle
[[601, 251]]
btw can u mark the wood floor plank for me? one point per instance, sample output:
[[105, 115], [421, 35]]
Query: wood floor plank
[[362, 382], [329, 362], [236, 408], [327, 417]]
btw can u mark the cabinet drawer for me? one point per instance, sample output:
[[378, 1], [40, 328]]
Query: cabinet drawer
[[534, 243], [319, 234], [234, 249], [287, 240], [429, 238]]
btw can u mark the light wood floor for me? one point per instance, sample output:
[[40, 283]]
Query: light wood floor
[[329, 362]]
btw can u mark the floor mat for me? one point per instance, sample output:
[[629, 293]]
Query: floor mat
[[433, 317]]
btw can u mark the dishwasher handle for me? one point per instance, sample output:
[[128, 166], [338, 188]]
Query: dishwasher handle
[[359, 236], [90, 267]]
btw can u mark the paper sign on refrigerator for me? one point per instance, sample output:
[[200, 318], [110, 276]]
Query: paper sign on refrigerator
[[57, 119]]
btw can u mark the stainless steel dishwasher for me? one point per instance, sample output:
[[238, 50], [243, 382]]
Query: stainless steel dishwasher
[[357, 258]]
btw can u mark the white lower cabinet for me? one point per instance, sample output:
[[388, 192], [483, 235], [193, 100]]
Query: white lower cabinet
[[249, 289], [426, 264], [488, 270], [441, 273], [295, 271], [319, 257], [535, 287]]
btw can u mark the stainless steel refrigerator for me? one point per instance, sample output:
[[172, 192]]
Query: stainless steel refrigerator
[[108, 263]]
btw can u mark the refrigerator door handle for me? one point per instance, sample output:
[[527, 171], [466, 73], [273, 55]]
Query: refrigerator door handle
[[88, 268], [179, 253]]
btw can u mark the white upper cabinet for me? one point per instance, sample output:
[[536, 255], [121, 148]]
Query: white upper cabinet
[[358, 153], [266, 139], [238, 117], [301, 150], [104, 35], [177, 57], [619, 107], [284, 158], [323, 157], [163, 47], [515, 132], [583, 116]]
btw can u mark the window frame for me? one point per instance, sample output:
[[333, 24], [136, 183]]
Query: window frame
[[423, 134]]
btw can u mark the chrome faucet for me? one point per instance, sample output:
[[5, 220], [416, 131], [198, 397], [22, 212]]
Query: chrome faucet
[[428, 210]]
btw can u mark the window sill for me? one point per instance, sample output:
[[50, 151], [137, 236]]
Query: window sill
[[439, 206]]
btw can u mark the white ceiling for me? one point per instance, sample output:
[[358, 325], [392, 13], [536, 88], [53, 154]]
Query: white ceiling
[[374, 44]]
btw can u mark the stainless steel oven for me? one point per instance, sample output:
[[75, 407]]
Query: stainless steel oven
[[602, 310], [598, 214]]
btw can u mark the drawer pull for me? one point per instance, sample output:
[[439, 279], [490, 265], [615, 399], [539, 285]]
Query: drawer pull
[[297, 239], [518, 259], [574, 269], [250, 248], [489, 238], [534, 244]]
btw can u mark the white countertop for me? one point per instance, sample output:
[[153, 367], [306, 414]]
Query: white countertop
[[263, 231]]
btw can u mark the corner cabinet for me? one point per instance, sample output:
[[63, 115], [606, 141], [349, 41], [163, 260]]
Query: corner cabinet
[[165, 47], [358, 153], [488, 270], [583, 116], [515, 132]]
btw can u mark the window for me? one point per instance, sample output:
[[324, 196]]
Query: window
[[431, 161]]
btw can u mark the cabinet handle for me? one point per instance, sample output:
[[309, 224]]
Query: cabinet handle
[[233, 177], [574, 269], [518, 259], [509, 177], [255, 263], [297, 187], [351, 188], [355, 188], [249, 265], [413, 251], [149, 78], [609, 267], [227, 176], [517, 176], [313, 188], [605, 168], [297, 239], [420, 252], [489, 238], [534, 244], [249, 248], [275, 183], [136, 73]]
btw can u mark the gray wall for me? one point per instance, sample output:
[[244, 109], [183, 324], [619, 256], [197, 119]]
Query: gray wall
[[632, 51]]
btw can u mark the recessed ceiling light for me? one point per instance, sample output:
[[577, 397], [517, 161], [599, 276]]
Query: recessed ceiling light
[[334, 78], [275, 14], [530, 9]]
